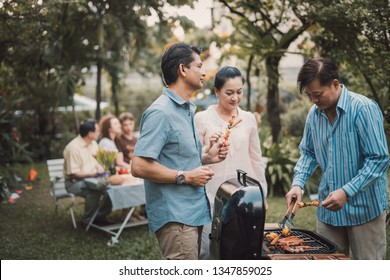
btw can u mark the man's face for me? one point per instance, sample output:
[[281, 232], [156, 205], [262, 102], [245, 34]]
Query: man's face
[[325, 97], [194, 73], [127, 126], [94, 135]]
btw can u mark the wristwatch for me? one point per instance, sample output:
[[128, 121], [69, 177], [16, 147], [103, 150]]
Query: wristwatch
[[180, 177]]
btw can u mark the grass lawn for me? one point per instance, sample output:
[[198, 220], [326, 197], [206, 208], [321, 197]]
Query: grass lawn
[[30, 230]]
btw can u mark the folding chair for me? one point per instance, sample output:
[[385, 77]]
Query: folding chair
[[60, 196]]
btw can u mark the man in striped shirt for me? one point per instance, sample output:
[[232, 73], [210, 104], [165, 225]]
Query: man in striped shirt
[[344, 135]]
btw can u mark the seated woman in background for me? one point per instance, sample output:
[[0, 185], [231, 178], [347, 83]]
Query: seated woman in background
[[127, 140], [110, 128]]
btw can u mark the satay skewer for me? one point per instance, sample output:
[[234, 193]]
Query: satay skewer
[[231, 124], [315, 203]]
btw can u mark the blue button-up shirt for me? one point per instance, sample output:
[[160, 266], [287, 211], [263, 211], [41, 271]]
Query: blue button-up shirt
[[168, 135], [352, 154]]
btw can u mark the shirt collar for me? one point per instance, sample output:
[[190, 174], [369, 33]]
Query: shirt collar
[[82, 142], [342, 103], [177, 99]]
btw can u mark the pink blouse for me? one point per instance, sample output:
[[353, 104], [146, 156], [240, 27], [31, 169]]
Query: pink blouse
[[244, 150]]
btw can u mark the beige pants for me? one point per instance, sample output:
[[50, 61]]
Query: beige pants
[[179, 242], [366, 241]]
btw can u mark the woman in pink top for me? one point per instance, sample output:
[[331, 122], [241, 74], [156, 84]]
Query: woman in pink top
[[244, 150]]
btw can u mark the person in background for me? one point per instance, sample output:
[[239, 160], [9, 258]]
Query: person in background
[[244, 151], [344, 135], [110, 128], [168, 155], [80, 164], [126, 144], [127, 140]]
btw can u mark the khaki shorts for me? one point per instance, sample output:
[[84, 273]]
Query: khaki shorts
[[179, 242]]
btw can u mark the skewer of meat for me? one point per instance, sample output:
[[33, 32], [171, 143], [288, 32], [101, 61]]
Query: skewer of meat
[[315, 203], [231, 124]]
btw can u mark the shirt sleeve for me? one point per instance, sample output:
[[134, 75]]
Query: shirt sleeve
[[154, 134], [307, 162], [373, 145]]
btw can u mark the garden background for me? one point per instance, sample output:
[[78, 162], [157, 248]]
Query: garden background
[[110, 51]]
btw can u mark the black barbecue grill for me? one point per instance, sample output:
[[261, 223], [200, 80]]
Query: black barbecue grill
[[238, 224], [239, 217]]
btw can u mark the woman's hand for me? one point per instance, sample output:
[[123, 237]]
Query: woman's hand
[[218, 150]]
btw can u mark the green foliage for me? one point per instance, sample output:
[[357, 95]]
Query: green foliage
[[356, 34], [13, 149], [47, 47], [294, 117], [264, 31], [281, 161]]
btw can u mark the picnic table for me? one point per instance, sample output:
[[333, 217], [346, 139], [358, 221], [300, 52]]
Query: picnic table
[[125, 196]]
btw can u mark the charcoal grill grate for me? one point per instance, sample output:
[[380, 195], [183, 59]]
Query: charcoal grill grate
[[321, 245]]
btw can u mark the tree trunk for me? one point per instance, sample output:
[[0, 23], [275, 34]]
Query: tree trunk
[[100, 39], [75, 117], [98, 89], [248, 79], [273, 106], [114, 87]]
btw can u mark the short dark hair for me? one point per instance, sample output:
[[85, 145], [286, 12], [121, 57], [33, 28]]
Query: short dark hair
[[323, 69], [126, 116], [180, 53], [226, 73], [86, 127]]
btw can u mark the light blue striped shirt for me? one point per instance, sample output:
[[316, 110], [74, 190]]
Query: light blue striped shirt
[[352, 154]]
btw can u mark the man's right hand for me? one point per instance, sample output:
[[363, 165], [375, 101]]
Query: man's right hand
[[198, 176], [296, 192]]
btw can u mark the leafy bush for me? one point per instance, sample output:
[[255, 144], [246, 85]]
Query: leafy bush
[[12, 148], [280, 168], [294, 118]]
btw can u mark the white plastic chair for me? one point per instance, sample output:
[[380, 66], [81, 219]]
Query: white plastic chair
[[63, 199]]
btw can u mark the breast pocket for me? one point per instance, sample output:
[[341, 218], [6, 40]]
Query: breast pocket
[[187, 145], [350, 146]]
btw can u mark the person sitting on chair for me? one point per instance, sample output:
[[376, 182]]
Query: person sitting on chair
[[110, 129], [80, 166]]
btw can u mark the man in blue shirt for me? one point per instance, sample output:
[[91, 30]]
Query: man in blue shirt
[[344, 135], [168, 155]]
